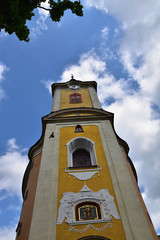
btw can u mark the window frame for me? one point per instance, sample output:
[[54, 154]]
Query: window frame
[[75, 98], [81, 204], [81, 143]]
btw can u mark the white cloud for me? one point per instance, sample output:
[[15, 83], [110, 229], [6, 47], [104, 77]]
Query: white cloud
[[3, 33], [43, 11], [89, 68], [134, 123], [40, 26], [140, 45], [105, 51], [7, 233], [12, 144], [104, 33], [41, 22], [3, 70], [129, 12], [148, 73], [12, 167], [153, 208], [47, 84]]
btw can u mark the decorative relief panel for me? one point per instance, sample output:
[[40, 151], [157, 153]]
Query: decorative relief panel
[[101, 198]]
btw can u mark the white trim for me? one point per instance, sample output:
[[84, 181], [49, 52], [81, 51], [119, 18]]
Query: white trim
[[98, 168], [71, 228], [79, 138], [83, 175], [91, 221]]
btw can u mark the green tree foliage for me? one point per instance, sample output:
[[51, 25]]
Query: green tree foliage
[[15, 13]]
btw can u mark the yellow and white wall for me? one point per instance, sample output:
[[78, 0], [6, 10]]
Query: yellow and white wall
[[48, 179]]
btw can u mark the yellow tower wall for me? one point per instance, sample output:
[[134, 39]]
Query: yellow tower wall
[[48, 180], [86, 100], [68, 183]]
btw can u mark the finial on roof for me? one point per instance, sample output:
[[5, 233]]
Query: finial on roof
[[72, 78]]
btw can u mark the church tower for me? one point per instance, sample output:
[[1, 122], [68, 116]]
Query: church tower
[[80, 183]]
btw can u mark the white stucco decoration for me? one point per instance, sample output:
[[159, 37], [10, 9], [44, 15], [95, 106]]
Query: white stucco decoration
[[70, 200], [83, 175], [71, 228]]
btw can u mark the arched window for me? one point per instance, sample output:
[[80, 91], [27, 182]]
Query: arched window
[[93, 237], [75, 98], [81, 158], [81, 152], [87, 211]]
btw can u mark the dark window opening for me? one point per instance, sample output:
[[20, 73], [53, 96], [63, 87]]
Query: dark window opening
[[31, 166], [78, 128], [93, 237], [19, 227], [25, 195], [75, 98], [81, 158]]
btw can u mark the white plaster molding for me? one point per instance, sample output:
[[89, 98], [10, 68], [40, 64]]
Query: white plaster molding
[[91, 221], [85, 188], [71, 228], [83, 175], [70, 200], [83, 170]]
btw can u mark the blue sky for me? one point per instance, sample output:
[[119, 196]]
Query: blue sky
[[117, 45]]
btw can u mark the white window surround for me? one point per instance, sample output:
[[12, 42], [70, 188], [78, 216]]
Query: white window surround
[[81, 143]]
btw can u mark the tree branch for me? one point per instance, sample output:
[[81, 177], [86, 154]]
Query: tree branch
[[43, 8]]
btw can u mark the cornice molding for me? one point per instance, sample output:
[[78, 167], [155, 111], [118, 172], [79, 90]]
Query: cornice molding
[[55, 117], [98, 114]]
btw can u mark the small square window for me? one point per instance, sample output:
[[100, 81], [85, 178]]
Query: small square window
[[75, 98]]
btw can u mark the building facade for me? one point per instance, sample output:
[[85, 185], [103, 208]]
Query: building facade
[[80, 183]]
